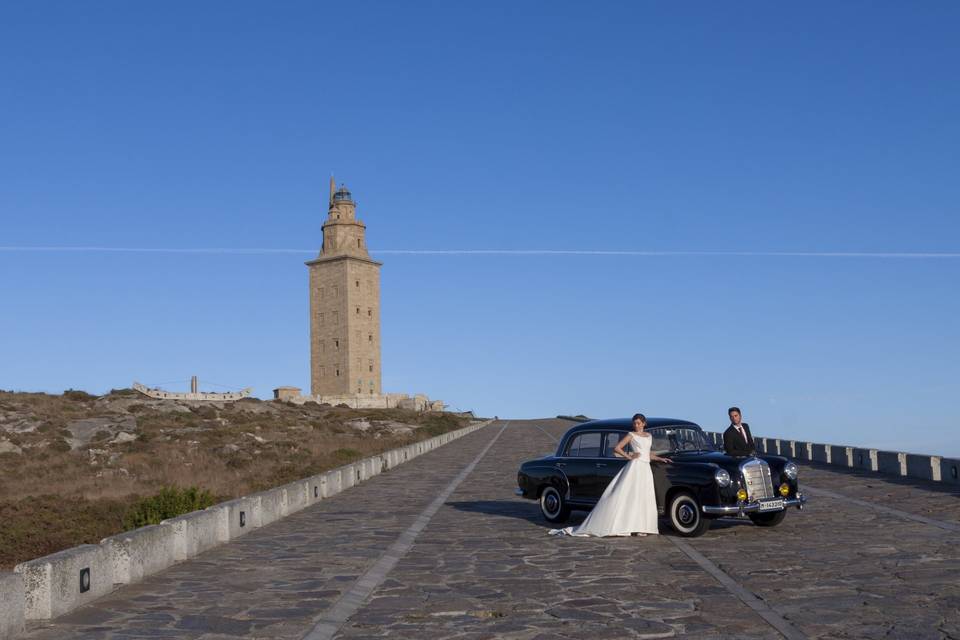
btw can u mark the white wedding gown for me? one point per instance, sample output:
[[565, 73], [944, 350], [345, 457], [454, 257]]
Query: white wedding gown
[[629, 503]]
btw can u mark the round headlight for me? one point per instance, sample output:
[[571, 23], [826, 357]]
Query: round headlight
[[722, 477], [790, 470]]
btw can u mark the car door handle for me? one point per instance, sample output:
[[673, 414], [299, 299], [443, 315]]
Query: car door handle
[[561, 464], [601, 464]]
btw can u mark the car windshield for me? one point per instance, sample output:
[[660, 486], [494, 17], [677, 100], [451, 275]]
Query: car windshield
[[675, 439]]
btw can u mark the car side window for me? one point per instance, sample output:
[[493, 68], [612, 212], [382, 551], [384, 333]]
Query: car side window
[[661, 442], [610, 441], [585, 445]]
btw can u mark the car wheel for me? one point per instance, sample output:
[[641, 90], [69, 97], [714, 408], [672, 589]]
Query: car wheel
[[768, 519], [686, 517], [552, 505]]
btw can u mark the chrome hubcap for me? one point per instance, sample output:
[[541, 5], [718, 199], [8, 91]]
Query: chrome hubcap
[[551, 503], [686, 514]]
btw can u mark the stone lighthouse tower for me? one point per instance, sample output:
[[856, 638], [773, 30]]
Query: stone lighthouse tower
[[344, 306]]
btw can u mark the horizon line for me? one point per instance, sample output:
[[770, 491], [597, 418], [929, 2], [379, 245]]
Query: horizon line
[[515, 252]]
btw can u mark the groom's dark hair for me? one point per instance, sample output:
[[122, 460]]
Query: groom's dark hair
[[732, 409], [639, 416]]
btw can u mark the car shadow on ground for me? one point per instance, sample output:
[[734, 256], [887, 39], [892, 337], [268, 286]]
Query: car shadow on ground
[[528, 511], [505, 508]]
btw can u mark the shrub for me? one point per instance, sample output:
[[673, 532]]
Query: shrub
[[123, 392], [168, 503], [346, 455], [77, 395], [60, 445]]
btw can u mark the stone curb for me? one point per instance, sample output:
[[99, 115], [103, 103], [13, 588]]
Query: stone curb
[[53, 585], [893, 463]]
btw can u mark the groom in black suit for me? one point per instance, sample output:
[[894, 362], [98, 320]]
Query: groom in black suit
[[737, 440]]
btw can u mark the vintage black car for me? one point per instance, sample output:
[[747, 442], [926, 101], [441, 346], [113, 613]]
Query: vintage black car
[[701, 484]]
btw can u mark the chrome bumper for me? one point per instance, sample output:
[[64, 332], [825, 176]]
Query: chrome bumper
[[750, 507], [518, 492]]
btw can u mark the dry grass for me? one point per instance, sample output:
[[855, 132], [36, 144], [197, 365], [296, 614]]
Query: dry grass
[[80, 495]]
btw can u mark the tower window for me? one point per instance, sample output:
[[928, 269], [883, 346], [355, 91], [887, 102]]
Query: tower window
[[336, 291], [358, 310], [323, 372], [336, 317], [338, 372], [323, 346], [358, 283], [369, 313], [321, 318], [369, 337], [336, 343], [358, 244]]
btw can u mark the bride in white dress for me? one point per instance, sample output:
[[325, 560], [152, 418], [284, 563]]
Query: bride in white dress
[[629, 504]]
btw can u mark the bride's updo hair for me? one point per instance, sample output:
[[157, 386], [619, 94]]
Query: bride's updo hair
[[639, 416]]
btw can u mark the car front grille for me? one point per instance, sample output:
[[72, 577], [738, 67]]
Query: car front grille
[[756, 478]]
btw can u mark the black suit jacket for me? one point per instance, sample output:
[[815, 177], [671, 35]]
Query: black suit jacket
[[734, 444]]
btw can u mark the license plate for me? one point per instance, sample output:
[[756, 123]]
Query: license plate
[[771, 505]]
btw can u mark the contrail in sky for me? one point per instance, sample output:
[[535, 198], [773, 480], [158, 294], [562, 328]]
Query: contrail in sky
[[502, 252]]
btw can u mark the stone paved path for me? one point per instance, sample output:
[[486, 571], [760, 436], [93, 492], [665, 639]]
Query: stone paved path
[[484, 567]]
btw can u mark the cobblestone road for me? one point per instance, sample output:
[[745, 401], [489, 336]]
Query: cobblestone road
[[484, 567]]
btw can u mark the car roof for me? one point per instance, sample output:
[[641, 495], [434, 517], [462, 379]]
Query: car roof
[[625, 424]]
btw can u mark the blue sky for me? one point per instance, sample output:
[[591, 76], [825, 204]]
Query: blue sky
[[650, 127]]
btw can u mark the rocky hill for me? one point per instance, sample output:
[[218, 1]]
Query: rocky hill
[[71, 464]]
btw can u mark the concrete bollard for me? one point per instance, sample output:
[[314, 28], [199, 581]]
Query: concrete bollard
[[348, 476], [865, 459], [888, 462], [920, 466], [12, 604], [950, 470], [820, 453], [61, 582], [314, 494], [271, 503], [237, 517], [133, 555], [801, 450], [194, 533], [330, 483], [935, 468], [295, 496], [837, 455], [390, 458]]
